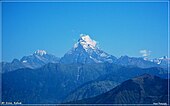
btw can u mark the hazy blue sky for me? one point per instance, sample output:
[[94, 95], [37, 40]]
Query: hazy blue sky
[[120, 28]]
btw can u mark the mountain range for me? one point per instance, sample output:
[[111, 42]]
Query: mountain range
[[85, 74], [85, 51], [56, 83]]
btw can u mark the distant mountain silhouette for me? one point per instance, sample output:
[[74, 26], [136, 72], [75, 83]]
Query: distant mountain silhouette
[[35, 60], [85, 51]]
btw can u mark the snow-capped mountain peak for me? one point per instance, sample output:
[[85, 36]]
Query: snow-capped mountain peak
[[38, 59], [163, 61], [86, 42], [40, 52], [86, 51]]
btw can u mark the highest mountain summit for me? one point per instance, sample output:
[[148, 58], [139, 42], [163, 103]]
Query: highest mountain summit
[[86, 51]]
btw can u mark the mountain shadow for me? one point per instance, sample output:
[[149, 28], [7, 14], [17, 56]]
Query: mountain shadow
[[144, 89]]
